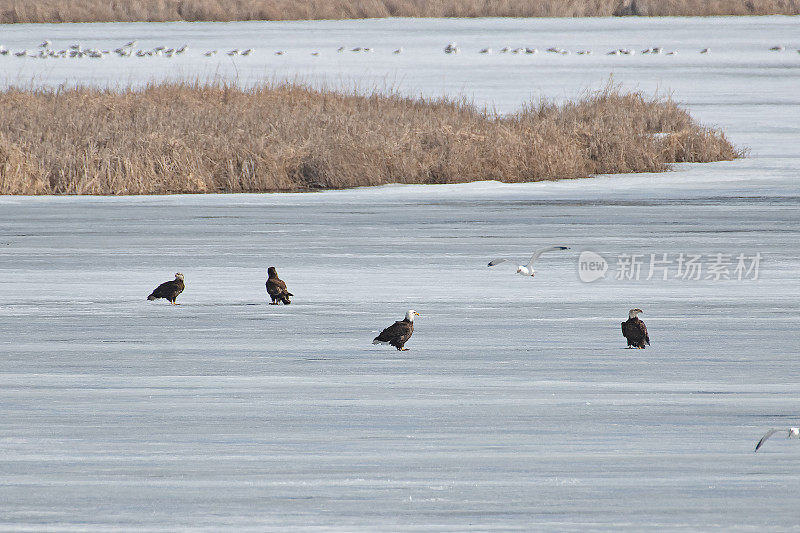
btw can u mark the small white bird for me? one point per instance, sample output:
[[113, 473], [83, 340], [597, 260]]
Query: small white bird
[[485, 51], [44, 44], [705, 51], [130, 44], [527, 270], [210, 53], [451, 48], [790, 432], [398, 51], [778, 48]]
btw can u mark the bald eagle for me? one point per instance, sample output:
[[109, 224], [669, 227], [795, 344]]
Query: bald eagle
[[276, 288], [635, 331], [169, 289], [398, 333]]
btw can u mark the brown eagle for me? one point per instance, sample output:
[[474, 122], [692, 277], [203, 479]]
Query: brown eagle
[[276, 288], [635, 331], [169, 289], [398, 333]]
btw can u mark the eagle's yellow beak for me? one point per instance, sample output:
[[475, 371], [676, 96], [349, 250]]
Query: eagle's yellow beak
[[417, 313]]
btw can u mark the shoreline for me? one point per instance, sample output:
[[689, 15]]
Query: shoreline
[[191, 138], [55, 11]]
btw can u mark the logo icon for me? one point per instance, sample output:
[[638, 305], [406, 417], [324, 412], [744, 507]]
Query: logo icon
[[591, 266]]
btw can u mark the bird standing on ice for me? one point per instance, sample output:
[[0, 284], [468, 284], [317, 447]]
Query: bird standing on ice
[[276, 288], [398, 333], [169, 289], [790, 432], [634, 330], [527, 270]]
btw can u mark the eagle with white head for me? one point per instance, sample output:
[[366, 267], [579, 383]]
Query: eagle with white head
[[398, 333], [634, 330]]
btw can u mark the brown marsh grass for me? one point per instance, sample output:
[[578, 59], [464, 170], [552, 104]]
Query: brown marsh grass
[[14, 11], [193, 138]]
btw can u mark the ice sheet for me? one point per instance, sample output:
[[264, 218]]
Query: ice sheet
[[517, 406]]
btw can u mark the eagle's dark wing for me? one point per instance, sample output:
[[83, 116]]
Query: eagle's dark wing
[[627, 331], [635, 330], [397, 333], [277, 287], [168, 289]]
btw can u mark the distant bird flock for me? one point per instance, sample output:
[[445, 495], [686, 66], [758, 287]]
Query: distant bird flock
[[46, 50]]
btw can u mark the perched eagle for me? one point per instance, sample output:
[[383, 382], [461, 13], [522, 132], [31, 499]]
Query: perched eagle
[[169, 289], [276, 288], [635, 331], [398, 333]]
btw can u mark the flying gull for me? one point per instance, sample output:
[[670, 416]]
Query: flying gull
[[527, 270], [790, 432]]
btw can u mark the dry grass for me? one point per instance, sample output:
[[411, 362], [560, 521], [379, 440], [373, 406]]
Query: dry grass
[[173, 138], [12, 11]]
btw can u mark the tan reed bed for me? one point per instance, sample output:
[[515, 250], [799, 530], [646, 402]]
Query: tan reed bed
[[14, 11], [185, 138]]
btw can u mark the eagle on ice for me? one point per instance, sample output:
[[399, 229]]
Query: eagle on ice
[[276, 288], [634, 330], [398, 333], [169, 289]]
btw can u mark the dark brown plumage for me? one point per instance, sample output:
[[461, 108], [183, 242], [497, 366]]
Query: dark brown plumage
[[398, 333], [276, 288], [169, 289], [634, 330]]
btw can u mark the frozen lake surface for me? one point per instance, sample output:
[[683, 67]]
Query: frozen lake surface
[[517, 406]]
